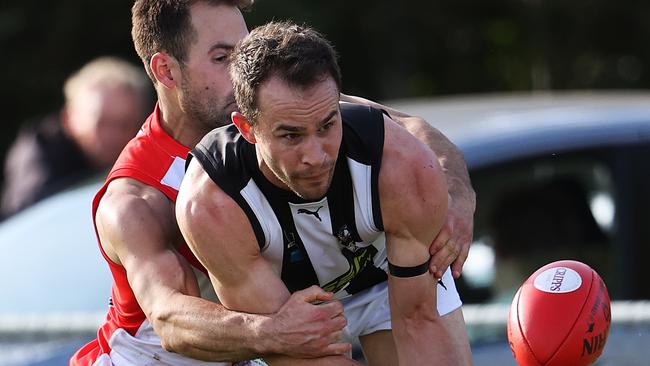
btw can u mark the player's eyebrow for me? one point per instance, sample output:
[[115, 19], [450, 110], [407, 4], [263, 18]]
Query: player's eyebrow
[[221, 45], [291, 128], [329, 116]]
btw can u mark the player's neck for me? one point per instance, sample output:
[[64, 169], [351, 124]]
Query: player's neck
[[177, 124]]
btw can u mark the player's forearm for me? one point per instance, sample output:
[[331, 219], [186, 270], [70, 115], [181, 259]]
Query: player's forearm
[[203, 330], [278, 360], [420, 342]]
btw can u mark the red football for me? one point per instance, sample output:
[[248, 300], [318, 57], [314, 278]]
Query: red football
[[560, 316]]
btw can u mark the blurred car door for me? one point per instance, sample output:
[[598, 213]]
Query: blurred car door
[[54, 283]]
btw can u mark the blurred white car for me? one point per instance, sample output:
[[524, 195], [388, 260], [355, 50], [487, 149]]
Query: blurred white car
[[54, 283], [557, 176]]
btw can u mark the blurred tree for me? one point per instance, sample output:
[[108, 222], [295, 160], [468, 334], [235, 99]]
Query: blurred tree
[[42, 42], [387, 49]]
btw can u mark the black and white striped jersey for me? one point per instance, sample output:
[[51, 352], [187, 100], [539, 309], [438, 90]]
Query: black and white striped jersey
[[336, 242]]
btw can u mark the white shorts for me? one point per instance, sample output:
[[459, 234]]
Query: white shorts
[[145, 349], [369, 310]]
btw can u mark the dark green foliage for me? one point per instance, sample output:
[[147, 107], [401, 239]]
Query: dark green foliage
[[387, 49]]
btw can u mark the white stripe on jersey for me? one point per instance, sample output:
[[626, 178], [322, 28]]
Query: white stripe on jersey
[[273, 245], [175, 174], [362, 180]]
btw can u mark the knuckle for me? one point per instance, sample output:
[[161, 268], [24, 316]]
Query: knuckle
[[438, 244], [321, 313], [339, 306], [343, 322]]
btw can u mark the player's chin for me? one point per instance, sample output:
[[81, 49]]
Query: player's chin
[[312, 191]]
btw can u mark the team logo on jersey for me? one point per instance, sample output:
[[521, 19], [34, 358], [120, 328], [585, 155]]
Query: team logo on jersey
[[345, 238], [308, 212]]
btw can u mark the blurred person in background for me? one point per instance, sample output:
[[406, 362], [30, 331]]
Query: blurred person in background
[[105, 103]]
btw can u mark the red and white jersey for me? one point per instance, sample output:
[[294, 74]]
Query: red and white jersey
[[154, 158]]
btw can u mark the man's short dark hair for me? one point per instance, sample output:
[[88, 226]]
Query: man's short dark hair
[[165, 25], [296, 54]]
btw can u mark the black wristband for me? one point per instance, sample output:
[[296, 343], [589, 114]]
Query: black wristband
[[404, 272]]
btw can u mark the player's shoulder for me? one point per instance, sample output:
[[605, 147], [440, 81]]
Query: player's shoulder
[[404, 153], [361, 119], [127, 198], [204, 201], [410, 175], [363, 133], [216, 141], [199, 187], [132, 217], [352, 111]]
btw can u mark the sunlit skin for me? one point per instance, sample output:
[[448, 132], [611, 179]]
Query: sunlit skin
[[297, 135], [206, 90]]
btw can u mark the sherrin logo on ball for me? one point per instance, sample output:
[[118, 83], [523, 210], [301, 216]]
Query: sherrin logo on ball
[[558, 280], [559, 316]]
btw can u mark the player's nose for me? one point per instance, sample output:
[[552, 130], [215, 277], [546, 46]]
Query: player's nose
[[313, 152]]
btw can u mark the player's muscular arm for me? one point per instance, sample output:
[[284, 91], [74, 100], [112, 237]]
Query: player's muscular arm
[[451, 245], [220, 235], [137, 226], [449, 156], [413, 196]]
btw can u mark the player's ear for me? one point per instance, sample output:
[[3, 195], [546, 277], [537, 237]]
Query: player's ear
[[243, 125], [165, 69]]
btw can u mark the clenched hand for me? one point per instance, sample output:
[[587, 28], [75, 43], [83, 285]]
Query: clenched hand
[[310, 325]]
